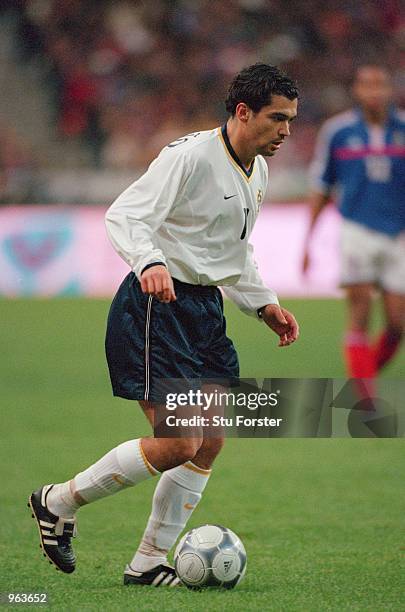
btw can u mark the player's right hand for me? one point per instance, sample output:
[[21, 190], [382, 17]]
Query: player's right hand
[[282, 322], [157, 281]]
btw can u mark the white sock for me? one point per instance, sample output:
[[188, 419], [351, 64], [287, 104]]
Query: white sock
[[176, 495], [122, 467]]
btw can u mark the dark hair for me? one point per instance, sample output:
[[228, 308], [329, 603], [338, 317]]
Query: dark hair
[[256, 84]]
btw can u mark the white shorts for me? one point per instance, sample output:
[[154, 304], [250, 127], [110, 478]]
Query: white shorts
[[372, 257]]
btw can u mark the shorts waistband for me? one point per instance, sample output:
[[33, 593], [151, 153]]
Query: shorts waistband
[[207, 290]]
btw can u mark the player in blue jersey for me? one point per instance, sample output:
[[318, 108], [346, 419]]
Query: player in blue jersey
[[362, 153]]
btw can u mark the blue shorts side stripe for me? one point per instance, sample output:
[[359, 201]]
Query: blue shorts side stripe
[[147, 341]]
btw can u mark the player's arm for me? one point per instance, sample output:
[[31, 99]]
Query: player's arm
[[317, 202], [253, 298], [137, 214], [322, 178]]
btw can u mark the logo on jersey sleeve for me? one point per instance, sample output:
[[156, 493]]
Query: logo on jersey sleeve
[[259, 199], [180, 141]]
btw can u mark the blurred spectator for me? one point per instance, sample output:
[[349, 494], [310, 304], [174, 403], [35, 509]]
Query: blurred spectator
[[19, 179], [126, 76]]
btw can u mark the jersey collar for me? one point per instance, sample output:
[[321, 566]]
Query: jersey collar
[[225, 137], [390, 119]]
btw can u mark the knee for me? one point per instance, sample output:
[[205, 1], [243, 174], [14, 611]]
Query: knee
[[211, 447], [184, 449]]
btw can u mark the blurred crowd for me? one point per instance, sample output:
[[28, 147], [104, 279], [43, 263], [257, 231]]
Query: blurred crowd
[[128, 76], [20, 181]]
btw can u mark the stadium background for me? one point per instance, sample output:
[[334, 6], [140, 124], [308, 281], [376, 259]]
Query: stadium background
[[90, 91]]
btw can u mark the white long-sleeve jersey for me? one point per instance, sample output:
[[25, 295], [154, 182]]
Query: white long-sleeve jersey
[[194, 210]]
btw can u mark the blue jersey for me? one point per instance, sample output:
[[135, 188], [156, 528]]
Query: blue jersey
[[367, 164]]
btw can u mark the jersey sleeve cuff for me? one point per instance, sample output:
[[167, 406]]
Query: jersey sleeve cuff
[[155, 258], [259, 311], [150, 265]]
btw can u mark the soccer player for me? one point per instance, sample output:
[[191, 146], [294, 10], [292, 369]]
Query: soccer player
[[183, 228], [362, 153]]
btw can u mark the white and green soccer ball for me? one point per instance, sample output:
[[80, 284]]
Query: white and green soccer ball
[[210, 555]]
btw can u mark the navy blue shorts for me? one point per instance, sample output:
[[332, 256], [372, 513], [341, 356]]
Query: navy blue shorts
[[148, 341]]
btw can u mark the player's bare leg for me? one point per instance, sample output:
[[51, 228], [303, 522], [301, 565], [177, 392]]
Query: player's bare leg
[[208, 451], [390, 339], [359, 301], [166, 453]]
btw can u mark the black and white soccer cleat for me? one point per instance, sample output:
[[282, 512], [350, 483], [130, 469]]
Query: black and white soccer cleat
[[55, 532], [161, 575]]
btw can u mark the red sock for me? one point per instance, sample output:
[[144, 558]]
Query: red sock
[[360, 360], [386, 347], [361, 364]]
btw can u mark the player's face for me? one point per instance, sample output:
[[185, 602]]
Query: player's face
[[372, 88], [269, 128]]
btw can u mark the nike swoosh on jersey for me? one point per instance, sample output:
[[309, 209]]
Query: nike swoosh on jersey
[[231, 196]]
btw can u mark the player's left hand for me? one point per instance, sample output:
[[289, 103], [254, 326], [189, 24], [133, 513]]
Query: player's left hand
[[282, 322]]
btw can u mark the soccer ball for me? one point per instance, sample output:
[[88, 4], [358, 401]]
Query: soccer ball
[[210, 555]]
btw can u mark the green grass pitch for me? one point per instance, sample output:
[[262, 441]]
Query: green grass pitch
[[323, 520]]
